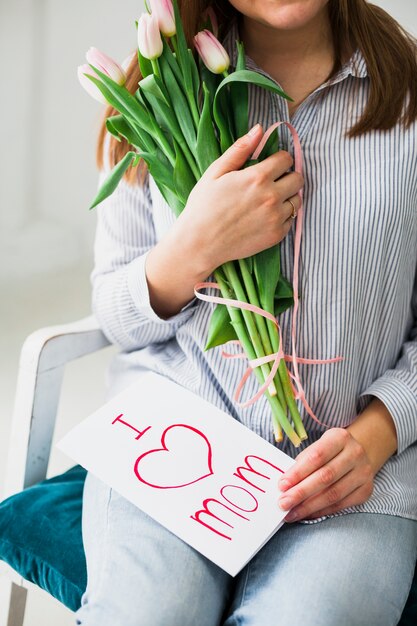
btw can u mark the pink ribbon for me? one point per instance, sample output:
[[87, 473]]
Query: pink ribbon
[[276, 357]]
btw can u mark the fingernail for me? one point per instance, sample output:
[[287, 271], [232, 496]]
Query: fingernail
[[285, 503], [253, 130], [283, 484], [291, 517]]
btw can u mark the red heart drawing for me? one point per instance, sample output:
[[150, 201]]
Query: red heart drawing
[[169, 461]]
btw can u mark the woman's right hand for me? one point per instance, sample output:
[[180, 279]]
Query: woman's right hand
[[230, 214], [233, 213]]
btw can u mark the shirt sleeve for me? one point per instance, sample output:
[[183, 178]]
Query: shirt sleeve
[[397, 387], [125, 234]]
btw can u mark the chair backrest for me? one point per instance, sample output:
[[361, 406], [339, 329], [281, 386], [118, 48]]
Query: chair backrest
[[42, 361]]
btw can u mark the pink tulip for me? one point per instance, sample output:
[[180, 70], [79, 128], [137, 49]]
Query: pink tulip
[[164, 12], [89, 86], [128, 60], [213, 54], [149, 37], [106, 65]]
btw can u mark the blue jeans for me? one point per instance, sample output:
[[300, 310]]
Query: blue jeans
[[351, 570]]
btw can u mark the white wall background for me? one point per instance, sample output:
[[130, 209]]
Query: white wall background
[[49, 125]]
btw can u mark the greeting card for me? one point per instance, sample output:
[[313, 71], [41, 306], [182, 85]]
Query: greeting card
[[189, 465]]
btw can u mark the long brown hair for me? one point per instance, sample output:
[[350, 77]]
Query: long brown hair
[[389, 51]]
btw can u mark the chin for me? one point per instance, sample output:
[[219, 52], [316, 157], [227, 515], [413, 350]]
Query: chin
[[281, 14]]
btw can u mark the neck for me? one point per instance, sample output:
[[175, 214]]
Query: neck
[[268, 45]]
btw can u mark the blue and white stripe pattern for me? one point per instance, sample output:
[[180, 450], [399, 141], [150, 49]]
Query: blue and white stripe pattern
[[357, 281]]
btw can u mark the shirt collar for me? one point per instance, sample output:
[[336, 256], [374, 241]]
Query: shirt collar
[[356, 66]]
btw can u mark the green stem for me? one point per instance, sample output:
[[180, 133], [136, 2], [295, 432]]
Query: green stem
[[240, 329], [155, 67], [286, 384], [175, 45], [292, 405], [261, 324], [189, 92], [283, 420], [233, 278], [279, 418]]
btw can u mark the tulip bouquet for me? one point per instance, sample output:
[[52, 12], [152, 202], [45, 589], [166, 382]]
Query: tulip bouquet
[[186, 112]]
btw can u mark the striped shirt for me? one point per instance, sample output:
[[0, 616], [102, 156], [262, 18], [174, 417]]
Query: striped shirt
[[357, 281]]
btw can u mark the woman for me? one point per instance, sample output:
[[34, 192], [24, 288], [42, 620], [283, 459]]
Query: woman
[[351, 72]]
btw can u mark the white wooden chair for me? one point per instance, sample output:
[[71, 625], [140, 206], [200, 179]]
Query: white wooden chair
[[43, 358]]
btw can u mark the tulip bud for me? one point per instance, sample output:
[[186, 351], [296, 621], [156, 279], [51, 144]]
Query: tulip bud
[[88, 85], [211, 51], [106, 65], [149, 37], [164, 12]]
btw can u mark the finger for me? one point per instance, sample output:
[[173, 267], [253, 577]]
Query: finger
[[359, 496], [293, 206], [332, 497], [315, 456], [237, 155], [318, 482], [289, 185], [274, 166]]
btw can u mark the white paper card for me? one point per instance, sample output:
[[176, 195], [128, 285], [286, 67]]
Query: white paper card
[[189, 465]]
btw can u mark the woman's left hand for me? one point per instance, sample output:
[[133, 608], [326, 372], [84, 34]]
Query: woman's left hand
[[331, 474]]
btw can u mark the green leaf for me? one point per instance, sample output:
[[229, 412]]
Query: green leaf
[[282, 305], [220, 114], [248, 76], [182, 50], [159, 167], [119, 127], [283, 295], [113, 179], [170, 197], [122, 100], [211, 80], [145, 65], [271, 146], [154, 86], [220, 329], [221, 106], [158, 107], [163, 122], [169, 57], [112, 130], [284, 288], [179, 104], [240, 97], [207, 149], [267, 269], [195, 75], [184, 179]]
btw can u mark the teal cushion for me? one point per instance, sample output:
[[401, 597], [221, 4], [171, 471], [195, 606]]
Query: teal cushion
[[40, 536]]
